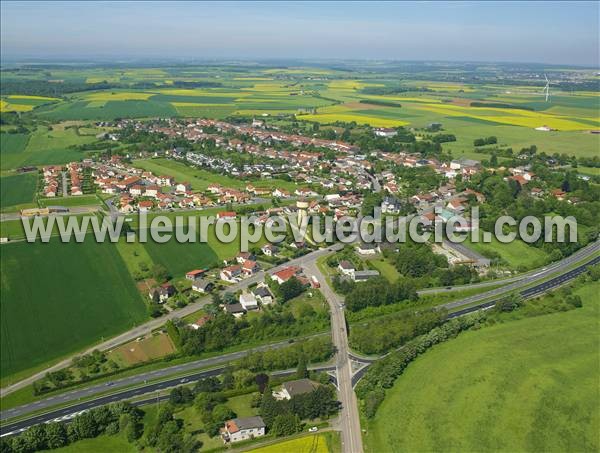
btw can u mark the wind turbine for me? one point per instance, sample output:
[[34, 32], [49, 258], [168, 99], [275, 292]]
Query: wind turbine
[[546, 90]]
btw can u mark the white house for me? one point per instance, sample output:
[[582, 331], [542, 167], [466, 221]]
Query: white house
[[346, 267], [248, 301], [386, 132], [239, 429], [263, 294], [367, 249], [231, 274]]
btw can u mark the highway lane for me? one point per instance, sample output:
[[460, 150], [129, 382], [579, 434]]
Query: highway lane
[[148, 327], [129, 381], [154, 324], [66, 413], [348, 421]]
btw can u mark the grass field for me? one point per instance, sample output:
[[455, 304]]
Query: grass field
[[385, 268], [517, 254], [45, 146], [100, 444], [13, 143], [72, 201], [134, 352], [180, 258], [201, 179], [59, 298], [525, 385], [17, 189]]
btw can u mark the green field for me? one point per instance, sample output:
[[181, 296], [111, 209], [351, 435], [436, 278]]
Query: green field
[[526, 385], [13, 143], [44, 147], [78, 200], [201, 179], [100, 444], [17, 189], [59, 298], [180, 258], [516, 254]]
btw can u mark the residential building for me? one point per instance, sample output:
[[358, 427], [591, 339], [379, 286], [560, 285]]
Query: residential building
[[248, 301], [293, 388], [239, 429], [203, 286]]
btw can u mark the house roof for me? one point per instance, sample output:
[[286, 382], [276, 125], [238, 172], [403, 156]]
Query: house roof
[[262, 291], [287, 273], [234, 308], [300, 386], [345, 264], [196, 272], [238, 424]]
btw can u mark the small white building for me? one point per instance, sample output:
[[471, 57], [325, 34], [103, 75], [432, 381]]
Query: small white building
[[239, 429], [248, 301]]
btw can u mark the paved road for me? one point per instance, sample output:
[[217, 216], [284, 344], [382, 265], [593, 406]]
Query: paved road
[[154, 324], [65, 190], [74, 395], [66, 413], [349, 420]]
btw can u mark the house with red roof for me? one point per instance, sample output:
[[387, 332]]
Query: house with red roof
[[285, 274]]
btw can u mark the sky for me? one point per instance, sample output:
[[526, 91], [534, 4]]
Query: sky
[[544, 32]]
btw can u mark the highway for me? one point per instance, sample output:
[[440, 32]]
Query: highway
[[66, 413], [348, 422], [138, 379]]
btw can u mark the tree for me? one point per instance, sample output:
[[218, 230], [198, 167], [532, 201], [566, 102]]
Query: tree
[[290, 289], [286, 424], [262, 380], [160, 273], [302, 370], [56, 435], [221, 413], [35, 438], [269, 408]]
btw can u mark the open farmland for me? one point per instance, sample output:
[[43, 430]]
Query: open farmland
[[17, 189], [45, 146], [180, 258], [22, 103], [201, 179], [525, 385], [316, 443], [13, 143], [78, 294]]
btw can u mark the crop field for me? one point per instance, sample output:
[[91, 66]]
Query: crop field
[[77, 294], [316, 443], [44, 146], [180, 258], [510, 113], [17, 189], [22, 103], [13, 143], [526, 385]]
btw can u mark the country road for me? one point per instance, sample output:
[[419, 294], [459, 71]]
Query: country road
[[349, 420], [149, 326], [154, 324]]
